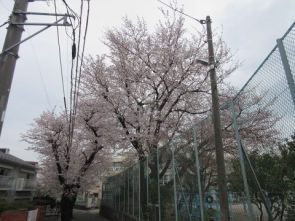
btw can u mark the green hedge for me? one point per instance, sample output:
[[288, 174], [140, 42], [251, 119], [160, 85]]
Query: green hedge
[[15, 205], [44, 201]]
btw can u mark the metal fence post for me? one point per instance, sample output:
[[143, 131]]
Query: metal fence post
[[119, 194], [124, 180], [139, 190], [270, 218], [198, 172], [246, 187], [128, 204], [287, 69], [147, 182], [133, 193], [174, 182], [159, 193], [115, 192]]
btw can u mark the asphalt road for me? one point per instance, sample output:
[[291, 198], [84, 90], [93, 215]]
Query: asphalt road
[[81, 215]]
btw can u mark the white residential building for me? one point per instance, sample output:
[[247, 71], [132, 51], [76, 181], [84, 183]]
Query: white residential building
[[17, 177]]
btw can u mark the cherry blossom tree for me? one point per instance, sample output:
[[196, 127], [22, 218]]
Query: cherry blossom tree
[[69, 165], [151, 82], [154, 88]]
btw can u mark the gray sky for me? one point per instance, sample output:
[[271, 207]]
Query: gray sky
[[250, 27]]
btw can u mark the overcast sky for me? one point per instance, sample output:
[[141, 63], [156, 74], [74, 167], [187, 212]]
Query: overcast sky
[[250, 27]]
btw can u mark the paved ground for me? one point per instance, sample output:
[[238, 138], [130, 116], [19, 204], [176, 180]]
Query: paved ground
[[81, 215]]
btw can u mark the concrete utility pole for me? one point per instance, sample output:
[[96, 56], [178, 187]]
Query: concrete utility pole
[[221, 176], [8, 59]]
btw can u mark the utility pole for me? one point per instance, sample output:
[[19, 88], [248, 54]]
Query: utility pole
[[221, 176], [8, 59]]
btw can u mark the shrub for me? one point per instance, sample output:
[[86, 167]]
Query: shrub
[[15, 205], [44, 201], [209, 213]]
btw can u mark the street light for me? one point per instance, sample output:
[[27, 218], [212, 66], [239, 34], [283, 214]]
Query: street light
[[221, 176], [205, 63]]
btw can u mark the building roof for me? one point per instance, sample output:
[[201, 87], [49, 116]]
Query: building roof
[[8, 158]]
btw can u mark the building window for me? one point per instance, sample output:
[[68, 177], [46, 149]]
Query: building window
[[117, 166], [4, 172], [167, 178], [30, 176]]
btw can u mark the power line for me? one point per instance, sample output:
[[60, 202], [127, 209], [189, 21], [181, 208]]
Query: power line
[[72, 11], [5, 6], [76, 70], [82, 56], [200, 21], [75, 78], [7, 22], [75, 89], [40, 72], [77, 63], [60, 62]]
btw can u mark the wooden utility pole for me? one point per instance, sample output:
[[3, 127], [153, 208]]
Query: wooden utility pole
[[8, 58], [221, 176]]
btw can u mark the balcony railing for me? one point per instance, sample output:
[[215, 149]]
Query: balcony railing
[[116, 168], [25, 184], [7, 182]]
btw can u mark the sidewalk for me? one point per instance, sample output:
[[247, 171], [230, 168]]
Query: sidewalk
[[81, 215]]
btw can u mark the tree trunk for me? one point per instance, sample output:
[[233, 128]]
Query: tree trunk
[[68, 200]]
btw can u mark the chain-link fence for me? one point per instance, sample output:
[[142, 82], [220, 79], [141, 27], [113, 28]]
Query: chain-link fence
[[179, 181]]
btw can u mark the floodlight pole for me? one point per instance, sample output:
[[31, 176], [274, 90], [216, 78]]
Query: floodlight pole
[[221, 176]]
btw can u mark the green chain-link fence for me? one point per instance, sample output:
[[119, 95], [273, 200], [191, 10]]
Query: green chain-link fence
[[179, 181]]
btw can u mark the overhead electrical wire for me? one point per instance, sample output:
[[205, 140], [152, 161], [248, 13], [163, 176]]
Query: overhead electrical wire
[[7, 22], [200, 21], [68, 8], [39, 71], [77, 63], [74, 81], [77, 74], [5, 6], [74, 27], [70, 116], [70, 20], [60, 62], [76, 70], [82, 54]]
